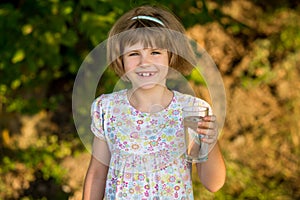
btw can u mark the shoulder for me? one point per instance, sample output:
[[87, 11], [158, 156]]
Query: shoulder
[[105, 100], [188, 100]]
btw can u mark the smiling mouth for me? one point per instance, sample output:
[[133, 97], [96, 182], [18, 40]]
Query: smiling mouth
[[145, 74]]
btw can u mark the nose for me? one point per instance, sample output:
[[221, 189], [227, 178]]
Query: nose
[[145, 59]]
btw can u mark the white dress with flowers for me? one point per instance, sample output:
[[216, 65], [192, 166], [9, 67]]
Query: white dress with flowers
[[147, 149]]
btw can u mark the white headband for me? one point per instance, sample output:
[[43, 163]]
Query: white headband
[[148, 18]]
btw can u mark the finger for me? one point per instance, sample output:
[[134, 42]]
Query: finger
[[210, 118], [208, 140], [207, 125], [207, 132]]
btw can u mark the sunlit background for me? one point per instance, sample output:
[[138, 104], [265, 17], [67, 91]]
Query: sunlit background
[[255, 44]]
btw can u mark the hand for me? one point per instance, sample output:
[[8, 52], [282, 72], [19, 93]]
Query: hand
[[209, 129]]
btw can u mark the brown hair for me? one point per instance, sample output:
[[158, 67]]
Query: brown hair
[[127, 31]]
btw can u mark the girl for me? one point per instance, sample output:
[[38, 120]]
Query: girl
[[138, 148]]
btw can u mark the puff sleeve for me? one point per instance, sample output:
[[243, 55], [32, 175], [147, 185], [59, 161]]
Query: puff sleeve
[[97, 115]]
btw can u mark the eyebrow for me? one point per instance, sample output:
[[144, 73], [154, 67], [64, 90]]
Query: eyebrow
[[154, 49]]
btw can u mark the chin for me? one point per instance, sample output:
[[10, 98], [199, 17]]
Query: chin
[[147, 86]]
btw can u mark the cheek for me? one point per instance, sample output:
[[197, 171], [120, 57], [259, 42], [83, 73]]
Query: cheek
[[128, 65], [166, 60], [165, 63]]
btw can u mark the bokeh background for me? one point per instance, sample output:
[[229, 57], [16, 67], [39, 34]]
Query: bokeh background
[[255, 44]]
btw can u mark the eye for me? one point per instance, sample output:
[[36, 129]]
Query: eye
[[155, 52], [133, 54]]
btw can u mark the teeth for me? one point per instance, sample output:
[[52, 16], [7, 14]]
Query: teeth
[[145, 74]]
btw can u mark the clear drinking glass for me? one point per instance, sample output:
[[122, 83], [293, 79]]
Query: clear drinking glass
[[196, 151]]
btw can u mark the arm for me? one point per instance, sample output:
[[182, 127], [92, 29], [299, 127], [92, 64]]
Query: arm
[[212, 173], [94, 185]]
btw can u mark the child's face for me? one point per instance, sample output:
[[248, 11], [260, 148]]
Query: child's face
[[145, 67]]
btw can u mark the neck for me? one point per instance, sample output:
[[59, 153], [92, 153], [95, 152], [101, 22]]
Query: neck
[[150, 100]]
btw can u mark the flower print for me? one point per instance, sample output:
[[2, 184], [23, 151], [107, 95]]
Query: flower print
[[140, 121], [169, 190], [179, 133], [133, 164], [177, 188], [169, 138], [134, 135], [125, 184], [153, 143], [113, 118], [170, 131], [131, 191], [120, 194], [147, 187], [150, 148], [163, 153], [144, 159], [127, 122], [119, 123], [153, 121], [141, 177], [127, 175], [186, 177], [172, 179], [162, 126], [110, 191], [181, 144], [176, 195], [172, 122], [152, 137], [116, 110], [96, 114], [170, 170], [135, 146], [157, 178], [137, 188], [175, 112]]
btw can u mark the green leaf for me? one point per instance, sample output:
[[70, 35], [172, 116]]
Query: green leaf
[[18, 57]]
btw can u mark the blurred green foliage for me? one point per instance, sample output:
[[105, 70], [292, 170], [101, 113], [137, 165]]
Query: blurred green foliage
[[44, 42]]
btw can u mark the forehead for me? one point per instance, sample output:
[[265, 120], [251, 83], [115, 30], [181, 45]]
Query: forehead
[[138, 46], [144, 38]]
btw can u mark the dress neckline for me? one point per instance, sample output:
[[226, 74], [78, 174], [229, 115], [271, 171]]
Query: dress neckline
[[173, 99]]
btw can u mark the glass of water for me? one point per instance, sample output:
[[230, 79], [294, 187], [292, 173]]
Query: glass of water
[[196, 151]]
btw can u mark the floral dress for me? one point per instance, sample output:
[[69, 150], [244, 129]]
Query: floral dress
[[147, 149]]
